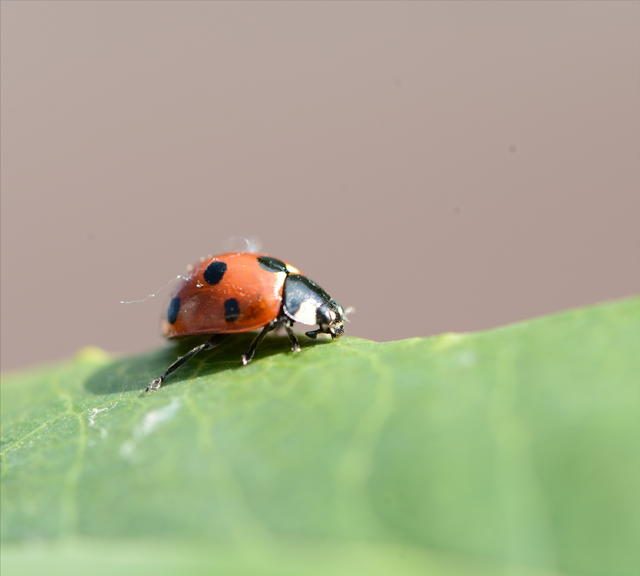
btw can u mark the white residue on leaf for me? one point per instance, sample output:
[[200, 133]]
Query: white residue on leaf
[[154, 418], [150, 421], [92, 419], [467, 358]]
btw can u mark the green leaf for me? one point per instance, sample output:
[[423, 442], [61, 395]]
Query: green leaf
[[512, 451]]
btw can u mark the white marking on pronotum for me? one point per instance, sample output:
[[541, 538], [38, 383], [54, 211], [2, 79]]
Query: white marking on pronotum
[[178, 277], [306, 314], [150, 421], [92, 419]]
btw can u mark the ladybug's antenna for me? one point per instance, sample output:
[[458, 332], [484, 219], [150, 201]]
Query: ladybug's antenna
[[178, 277], [348, 311]]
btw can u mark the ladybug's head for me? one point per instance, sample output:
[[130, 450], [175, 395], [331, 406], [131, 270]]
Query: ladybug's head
[[330, 318]]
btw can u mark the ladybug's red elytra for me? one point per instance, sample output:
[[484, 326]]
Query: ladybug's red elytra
[[241, 292]]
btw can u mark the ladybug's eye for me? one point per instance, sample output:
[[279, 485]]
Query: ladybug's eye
[[324, 315]]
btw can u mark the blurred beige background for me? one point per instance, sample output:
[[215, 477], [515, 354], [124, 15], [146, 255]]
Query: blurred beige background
[[440, 166]]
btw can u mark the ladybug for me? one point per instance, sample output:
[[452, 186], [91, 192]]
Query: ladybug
[[241, 292]]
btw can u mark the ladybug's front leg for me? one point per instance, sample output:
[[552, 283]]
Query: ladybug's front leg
[[211, 343]]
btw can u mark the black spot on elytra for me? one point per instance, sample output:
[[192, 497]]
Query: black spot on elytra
[[172, 312], [231, 310], [272, 264], [214, 272]]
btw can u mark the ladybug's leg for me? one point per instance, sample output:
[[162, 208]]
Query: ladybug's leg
[[211, 343], [246, 358], [295, 346]]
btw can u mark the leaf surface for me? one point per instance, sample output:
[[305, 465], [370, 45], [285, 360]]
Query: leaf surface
[[515, 450]]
